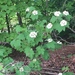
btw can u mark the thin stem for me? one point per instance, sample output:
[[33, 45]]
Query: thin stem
[[50, 73], [50, 69], [64, 4], [71, 30], [63, 40], [7, 21]]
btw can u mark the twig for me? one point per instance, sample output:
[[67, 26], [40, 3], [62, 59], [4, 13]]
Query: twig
[[50, 69], [64, 4], [50, 73], [64, 40], [56, 36], [71, 30]]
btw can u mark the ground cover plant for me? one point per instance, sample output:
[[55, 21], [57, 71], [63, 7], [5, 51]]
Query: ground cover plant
[[33, 27]]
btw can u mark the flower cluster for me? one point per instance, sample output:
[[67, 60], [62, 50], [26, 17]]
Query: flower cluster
[[49, 26], [57, 13], [66, 13], [59, 42], [13, 64], [35, 12], [33, 34], [34, 60], [60, 74], [63, 23], [27, 10], [21, 69], [49, 40]]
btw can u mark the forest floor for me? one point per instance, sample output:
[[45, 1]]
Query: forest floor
[[64, 57]]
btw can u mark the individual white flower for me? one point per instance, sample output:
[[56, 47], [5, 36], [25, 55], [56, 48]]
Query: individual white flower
[[35, 12], [34, 60], [27, 10], [60, 74], [33, 34], [3, 70], [63, 23], [57, 13], [66, 13], [49, 40], [21, 69], [13, 64], [59, 42], [49, 25]]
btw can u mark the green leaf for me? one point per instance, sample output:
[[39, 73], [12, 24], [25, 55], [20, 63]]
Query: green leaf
[[51, 45], [1, 74], [2, 51], [46, 55], [39, 37], [68, 17], [58, 27], [19, 73], [7, 60], [65, 68], [28, 15], [68, 73], [31, 8], [16, 43], [34, 17], [53, 19], [27, 70], [40, 50], [57, 46], [35, 65], [19, 29], [19, 64], [21, 36], [0, 59], [1, 66], [29, 52]]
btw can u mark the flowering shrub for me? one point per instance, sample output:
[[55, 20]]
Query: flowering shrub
[[35, 40], [33, 36]]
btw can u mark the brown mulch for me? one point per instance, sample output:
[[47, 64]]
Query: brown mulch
[[64, 57]]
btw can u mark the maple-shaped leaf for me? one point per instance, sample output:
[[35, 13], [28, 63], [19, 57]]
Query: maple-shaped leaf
[[29, 52], [40, 50]]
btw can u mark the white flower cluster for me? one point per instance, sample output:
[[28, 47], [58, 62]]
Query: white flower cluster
[[13, 64], [59, 42], [49, 40], [33, 34], [63, 23], [35, 12], [27, 10], [49, 26], [21, 69], [57, 13], [3, 71], [60, 74], [34, 60], [66, 13]]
